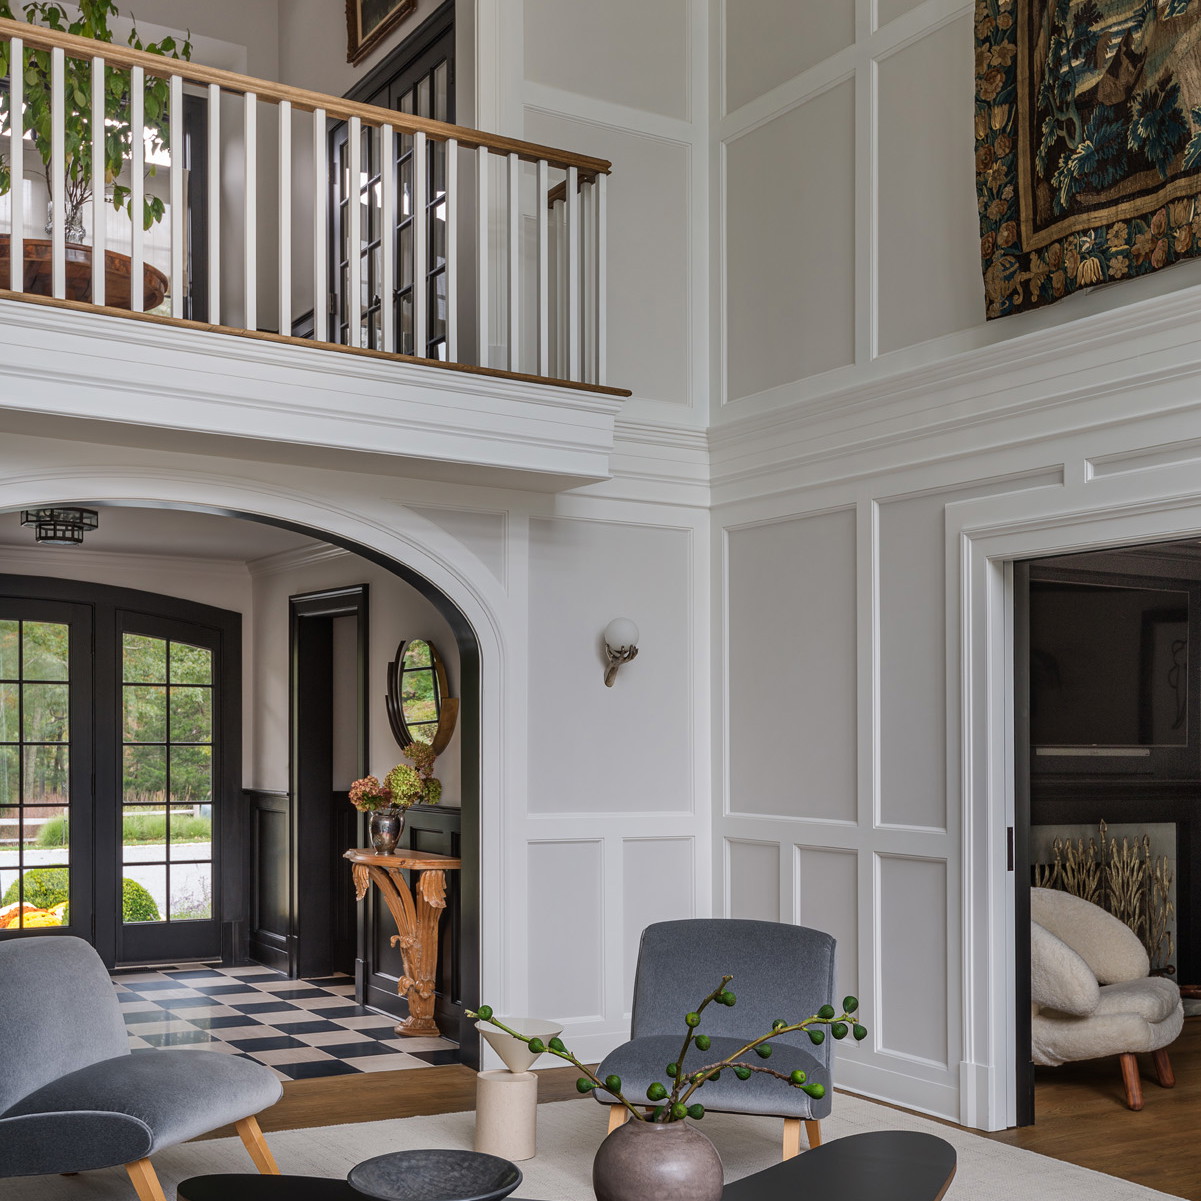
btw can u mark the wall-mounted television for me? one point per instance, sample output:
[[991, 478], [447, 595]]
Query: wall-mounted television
[[1113, 685]]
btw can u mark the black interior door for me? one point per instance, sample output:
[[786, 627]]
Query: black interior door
[[1019, 842]]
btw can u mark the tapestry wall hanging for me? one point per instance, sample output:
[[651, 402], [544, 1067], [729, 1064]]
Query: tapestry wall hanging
[[1088, 143]]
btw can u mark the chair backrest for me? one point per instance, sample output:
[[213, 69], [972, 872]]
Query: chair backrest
[[1107, 945], [58, 1013], [779, 971]]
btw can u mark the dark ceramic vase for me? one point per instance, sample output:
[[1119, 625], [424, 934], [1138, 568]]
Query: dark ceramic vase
[[386, 827], [669, 1161]]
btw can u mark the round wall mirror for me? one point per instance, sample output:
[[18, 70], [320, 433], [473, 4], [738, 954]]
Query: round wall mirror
[[419, 709]]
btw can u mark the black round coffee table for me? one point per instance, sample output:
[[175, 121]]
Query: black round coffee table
[[250, 1186]]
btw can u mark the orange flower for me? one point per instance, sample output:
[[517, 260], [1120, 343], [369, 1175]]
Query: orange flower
[[990, 84], [1159, 223], [1159, 256], [1008, 233]]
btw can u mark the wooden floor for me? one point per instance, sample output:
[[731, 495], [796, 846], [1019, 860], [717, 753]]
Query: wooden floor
[[1081, 1113]]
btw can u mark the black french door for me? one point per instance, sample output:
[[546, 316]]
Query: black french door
[[120, 771]]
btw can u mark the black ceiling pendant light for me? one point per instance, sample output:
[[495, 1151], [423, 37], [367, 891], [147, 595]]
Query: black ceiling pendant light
[[60, 527]]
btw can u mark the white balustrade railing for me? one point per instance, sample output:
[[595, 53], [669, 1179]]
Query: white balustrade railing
[[326, 220]]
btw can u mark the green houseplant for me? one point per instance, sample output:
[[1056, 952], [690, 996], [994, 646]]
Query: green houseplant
[[92, 22]]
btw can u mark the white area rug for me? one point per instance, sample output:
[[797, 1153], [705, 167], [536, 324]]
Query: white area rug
[[569, 1133]]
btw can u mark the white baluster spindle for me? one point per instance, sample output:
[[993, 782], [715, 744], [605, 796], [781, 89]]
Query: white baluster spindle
[[58, 173], [572, 307], [514, 338], [137, 191], [354, 240], [452, 250], [481, 255], [543, 203], [602, 278], [250, 271], [214, 203], [178, 214], [16, 162], [387, 174], [285, 217], [99, 183], [320, 228], [421, 242]]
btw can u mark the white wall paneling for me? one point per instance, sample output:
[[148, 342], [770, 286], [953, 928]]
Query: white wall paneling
[[565, 971], [661, 873], [790, 635], [752, 880], [826, 897]]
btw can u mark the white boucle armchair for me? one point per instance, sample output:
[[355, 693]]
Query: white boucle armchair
[[1091, 992]]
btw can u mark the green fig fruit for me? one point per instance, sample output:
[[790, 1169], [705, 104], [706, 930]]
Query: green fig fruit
[[679, 1111], [557, 1044], [484, 1012], [742, 1073], [696, 1111], [536, 1045], [860, 1032], [613, 1083], [850, 1004], [656, 1092], [839, 1029], [673, 1070], [763, 1050], [779, 1024], [727, 998], [816, 1091], [584, 1085], [692, 1019], [797, 1076], [704, 1042], [816, 1037], [826, 1012]]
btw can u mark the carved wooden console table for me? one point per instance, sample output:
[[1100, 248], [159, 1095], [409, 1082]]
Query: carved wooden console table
[[416, 918]]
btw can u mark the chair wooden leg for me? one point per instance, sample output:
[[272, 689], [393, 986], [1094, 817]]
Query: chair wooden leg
[[1134, 1087], [1163, 1068], [145, 1180], [248, 1130], [813, 1132], [792, 1137], [617, 1117]]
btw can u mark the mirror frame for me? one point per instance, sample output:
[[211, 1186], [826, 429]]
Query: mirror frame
[[448, 706]]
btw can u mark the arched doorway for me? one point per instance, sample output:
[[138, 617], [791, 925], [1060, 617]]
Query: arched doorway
[[297, 514]]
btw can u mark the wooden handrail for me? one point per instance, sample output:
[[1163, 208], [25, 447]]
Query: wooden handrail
[[38, 37]]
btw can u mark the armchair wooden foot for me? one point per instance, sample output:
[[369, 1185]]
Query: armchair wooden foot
[[145, 1180], [617, 1117], [252, 1137], [1131, 1081], [792, 1135], [1163, 1068]]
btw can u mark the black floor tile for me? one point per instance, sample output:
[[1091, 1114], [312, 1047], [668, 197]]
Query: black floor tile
[[308, 1071], [342, 1011], [355, 1050], [299, 994], [218, 1023], [436, 1057], [197, 973], [265, 1007], [196, 1002], [150, 986], [273, 1042], [290, 1027], [176, 1038], [378, 1031], [331, 980], [148, 1015], [218, 990]]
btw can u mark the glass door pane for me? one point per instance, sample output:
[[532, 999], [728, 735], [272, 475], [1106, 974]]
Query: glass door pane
[[167, 781], [35, 775]]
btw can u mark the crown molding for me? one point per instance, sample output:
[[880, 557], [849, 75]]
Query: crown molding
[[1024, 389], [37, 558], [293, 560]]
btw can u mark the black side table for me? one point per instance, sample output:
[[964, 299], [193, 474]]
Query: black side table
[[250, 1186]]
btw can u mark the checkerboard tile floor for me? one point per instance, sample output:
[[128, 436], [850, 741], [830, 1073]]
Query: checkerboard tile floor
[[298, 1028]]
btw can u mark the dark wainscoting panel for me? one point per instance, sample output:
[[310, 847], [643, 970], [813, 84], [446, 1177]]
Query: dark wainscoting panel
[[270, 816], [437, 830]]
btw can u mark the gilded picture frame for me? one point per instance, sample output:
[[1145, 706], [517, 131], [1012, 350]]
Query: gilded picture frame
[[369, 22]]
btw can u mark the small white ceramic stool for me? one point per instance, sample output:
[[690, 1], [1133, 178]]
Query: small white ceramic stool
[[506, 1100], [506, 1114]]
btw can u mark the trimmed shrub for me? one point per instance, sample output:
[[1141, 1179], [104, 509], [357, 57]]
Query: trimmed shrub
[[46, 887]]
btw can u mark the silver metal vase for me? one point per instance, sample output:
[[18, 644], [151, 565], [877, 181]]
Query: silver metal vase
[[386, 827]]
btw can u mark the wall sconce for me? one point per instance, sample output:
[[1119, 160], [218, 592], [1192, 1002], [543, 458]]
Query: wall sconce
[[621, 645], [60, 527]]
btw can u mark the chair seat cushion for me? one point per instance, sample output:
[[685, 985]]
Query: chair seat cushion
[[178, 1094], [1153, 998], [642, 1061]]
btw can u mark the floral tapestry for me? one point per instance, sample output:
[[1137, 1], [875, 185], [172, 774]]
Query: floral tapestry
[[1088, 143]]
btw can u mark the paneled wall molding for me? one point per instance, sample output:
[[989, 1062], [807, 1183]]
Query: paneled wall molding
[[209, 383], [561, 103], [1073, 378]]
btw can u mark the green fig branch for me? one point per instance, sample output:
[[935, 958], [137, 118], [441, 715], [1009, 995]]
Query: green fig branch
[[671, 1105]]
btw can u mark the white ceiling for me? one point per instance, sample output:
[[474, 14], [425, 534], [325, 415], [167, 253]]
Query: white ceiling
[[174, 532]]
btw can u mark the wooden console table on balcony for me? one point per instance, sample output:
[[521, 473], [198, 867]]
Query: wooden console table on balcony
[[118, 271], [416, 913]]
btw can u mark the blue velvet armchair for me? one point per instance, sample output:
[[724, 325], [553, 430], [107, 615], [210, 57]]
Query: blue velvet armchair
[[779, 971], [72, 1096]]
